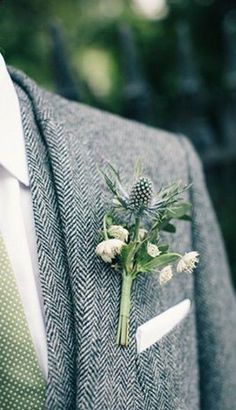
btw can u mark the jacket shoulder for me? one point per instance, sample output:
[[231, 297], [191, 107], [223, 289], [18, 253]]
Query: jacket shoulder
[[109, 137], [121, 141]]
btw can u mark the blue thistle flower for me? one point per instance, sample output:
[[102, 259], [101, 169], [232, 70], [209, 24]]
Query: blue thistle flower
[[141, 194]]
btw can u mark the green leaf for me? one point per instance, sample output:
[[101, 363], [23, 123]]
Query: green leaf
[[127, 255], [141, 254], [169, 228], [163, 248], [119, 202], [186, 218], [138, 169], [114, 171], [158, 262], [110, 184], [178, 210], [153, 236], [109, 220]]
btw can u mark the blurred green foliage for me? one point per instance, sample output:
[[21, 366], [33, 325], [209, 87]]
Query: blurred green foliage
[[91, 30], [93, 49]]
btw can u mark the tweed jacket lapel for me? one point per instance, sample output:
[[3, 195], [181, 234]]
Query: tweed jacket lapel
[[47, 167], [81, 293]]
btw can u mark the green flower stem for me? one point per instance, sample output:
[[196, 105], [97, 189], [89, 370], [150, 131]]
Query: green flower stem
[[105, 227], [136, 230], [125, 303]]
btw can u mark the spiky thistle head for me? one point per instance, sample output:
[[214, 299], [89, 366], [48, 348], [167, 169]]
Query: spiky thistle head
[[141, 194]]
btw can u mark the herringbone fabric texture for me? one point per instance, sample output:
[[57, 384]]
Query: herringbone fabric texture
[[194, 366], [22, 386]]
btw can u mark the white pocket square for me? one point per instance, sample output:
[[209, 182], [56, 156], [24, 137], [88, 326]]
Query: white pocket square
[[153, 330]]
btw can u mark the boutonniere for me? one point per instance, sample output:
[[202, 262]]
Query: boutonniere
[[130, 235]]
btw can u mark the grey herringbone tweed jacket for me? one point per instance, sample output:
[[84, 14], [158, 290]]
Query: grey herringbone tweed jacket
[[194, 366]]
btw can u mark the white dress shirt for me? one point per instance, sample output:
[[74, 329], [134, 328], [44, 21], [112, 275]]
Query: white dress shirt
[[16, 213]]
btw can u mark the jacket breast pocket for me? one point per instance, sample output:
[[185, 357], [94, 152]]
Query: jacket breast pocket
[[167, 371]]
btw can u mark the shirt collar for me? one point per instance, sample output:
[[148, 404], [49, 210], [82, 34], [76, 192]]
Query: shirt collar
[[12, 145]]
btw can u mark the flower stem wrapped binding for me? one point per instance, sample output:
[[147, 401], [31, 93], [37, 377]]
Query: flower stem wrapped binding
[[130, 235]]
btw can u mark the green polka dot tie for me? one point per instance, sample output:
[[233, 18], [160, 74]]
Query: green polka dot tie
[[22, 386]]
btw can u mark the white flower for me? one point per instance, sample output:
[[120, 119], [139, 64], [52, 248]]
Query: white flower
[[141, 233], [108, 249], [118, 232], [188, 262], [152, 250], [166, 275]]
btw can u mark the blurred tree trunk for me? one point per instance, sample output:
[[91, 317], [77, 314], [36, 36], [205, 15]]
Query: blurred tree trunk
[[61, 66]]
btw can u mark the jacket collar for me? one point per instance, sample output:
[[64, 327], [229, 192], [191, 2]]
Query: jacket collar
[[12, 147], [51, 183]]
